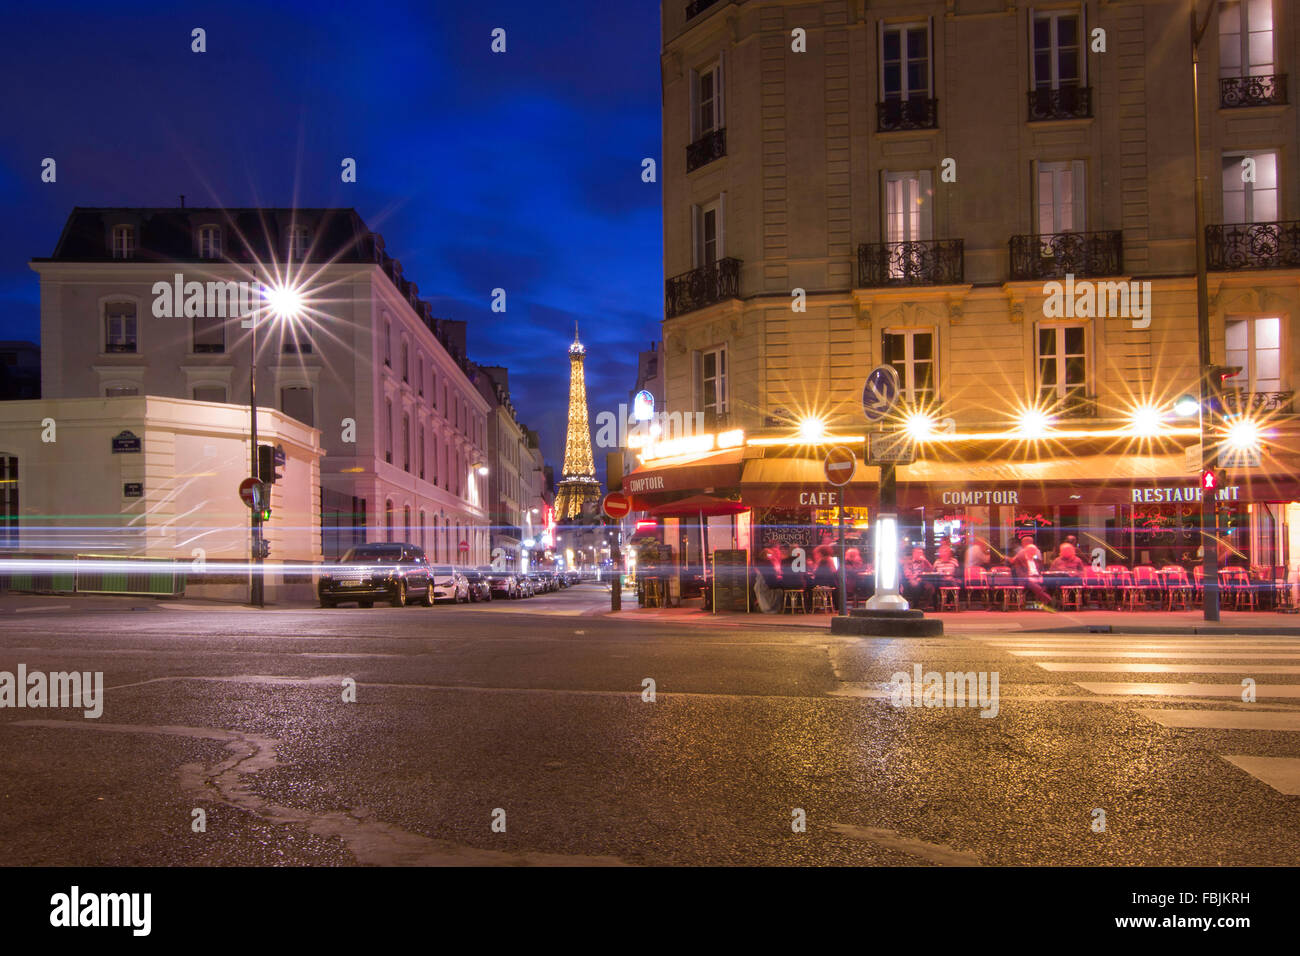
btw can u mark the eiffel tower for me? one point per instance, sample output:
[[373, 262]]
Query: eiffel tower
[[578, 484]]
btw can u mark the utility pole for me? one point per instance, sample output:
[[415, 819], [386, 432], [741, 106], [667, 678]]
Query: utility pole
[[1209, 452]]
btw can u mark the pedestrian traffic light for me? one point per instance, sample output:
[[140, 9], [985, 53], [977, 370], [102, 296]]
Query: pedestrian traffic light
[[265, 512], [266, 465], [1209, 480]]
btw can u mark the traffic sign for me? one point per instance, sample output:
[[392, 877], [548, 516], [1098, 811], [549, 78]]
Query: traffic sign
[[464, 546], [253, 492], [890, 448], [616, 504], [840, 465], [880, 393]]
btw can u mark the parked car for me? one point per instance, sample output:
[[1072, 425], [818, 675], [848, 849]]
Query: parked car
[[398, 573], [503, 584], [479, 589], [545, 583], [526, 587], [449, 584], [573, 577]]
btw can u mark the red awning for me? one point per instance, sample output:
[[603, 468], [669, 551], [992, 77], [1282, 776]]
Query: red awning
[[706, 505], [654, 482]]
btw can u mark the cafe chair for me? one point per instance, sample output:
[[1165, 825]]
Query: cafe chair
[[1071, 597], [793, 601], [1096, 587], [950, 597], [1178, 590], [1131, 596], [1236, 582], [1198, 586], [823, 600], [1146, 578], [978, 588], [1010, 593]]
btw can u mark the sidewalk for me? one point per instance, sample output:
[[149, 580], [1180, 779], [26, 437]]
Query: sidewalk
[[1037, 622]]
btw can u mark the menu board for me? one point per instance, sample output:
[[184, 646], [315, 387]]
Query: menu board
[[731, 580]]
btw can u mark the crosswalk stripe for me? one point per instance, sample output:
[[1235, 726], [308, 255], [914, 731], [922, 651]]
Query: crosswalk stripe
[[1225, 719], [1178, 655], [1186, 690], [1138, 667], [1151, 645], [1280, 773]]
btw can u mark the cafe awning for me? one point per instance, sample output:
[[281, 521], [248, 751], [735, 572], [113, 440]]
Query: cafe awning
[[706, 505], [659, 481]]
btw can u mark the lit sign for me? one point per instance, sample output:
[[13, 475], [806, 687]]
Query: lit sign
[[643, 406], [694, 444], [980, 498], [1209, 482]]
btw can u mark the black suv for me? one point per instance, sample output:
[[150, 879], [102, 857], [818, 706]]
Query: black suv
[[396, 573]]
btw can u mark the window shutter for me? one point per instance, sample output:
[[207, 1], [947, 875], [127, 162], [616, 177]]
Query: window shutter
[[1078, 172]]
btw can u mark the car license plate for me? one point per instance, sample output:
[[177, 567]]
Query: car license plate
[[350, 582]]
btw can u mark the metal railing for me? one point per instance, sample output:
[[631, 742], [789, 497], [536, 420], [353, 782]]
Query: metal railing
[[916, 262], [1060, 254], [703, 286], [1253, 245], [1243, 91], [712, 145], [915, 112], [1066, 102]]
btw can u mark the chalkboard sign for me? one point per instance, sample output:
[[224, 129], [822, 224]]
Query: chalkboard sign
[[730, 580]]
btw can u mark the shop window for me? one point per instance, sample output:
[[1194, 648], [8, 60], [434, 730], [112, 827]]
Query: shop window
[[912, 354], [1062, 367], [1255, 346]]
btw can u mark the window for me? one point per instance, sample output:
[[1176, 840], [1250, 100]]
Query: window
[[406, 523], [209, 334], [708, 100], [388, 518], [406, 442], [1250, 201], [299, 239], [119, 327], [1057, 61], [444, 401], [713, 383], [908, 202], [1062, 366], [911, 353], [209, 242], [406, 362], [905, 61], [1255, 346], [120, 391], [296, 402], [295, 340], [1245, 38], [388, 430], [419, 376], [209, 393], [123, 242], [708, 233], [422, 526], [1060, 198], [419, 456]]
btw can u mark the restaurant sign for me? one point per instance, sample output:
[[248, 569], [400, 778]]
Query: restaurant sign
[[1169, 493]]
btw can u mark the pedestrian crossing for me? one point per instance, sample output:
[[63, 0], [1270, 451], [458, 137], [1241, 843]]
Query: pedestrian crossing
[[1258, 693]]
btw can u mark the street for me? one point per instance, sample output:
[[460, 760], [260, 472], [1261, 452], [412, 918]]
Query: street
[[524, 732]]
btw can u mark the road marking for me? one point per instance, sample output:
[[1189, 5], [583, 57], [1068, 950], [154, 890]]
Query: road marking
[[938, 853], [1280, 773], [1176, 655], [38, 609], [1225, 719], [1187, 690], [1136, 667]]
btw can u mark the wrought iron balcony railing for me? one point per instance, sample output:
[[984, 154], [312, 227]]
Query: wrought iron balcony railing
[[1239, 91], [1239, 400], [712, 145], [1067, 102], [1076, 404], [912, 113], [918, 262], [1055, 256], [703, 286], [696, 7], [1253, 245]]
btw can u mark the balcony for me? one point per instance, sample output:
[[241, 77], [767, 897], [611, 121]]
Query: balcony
[[1066, 103], [912, 113], [712, 145], [1237, 401], [703, 286], [696, 7], [1253, 245], [919, 262], [1236, 92], [1081, 254]]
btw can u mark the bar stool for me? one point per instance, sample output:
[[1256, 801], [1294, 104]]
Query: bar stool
[[1072, 597], [654, 593], [949, 597], [823, 599], [793, 601]]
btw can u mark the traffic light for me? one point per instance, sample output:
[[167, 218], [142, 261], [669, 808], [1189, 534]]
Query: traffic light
[[1212, 479], [266, 465], [1219, 376], [263, 549], [265, 512]]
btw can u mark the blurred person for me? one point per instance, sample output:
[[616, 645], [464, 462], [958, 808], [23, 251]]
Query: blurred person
[[916, 590]]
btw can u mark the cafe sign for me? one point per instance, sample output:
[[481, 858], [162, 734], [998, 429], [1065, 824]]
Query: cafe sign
[[1169, 494]]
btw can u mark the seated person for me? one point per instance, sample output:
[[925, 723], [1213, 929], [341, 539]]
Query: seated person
[[1026, 568], [915, 590], [946, 564]]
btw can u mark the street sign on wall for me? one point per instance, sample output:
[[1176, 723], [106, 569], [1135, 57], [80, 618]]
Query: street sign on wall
[[880, 394], [890, 448]]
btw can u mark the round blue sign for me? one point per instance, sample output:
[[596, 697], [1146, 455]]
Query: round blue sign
[[880, 393]]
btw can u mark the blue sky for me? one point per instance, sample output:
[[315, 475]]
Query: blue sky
[[520, 170]]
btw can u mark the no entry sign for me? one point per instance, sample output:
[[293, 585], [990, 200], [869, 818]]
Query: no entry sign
[[253, 492], [616, 505], [840, 465]]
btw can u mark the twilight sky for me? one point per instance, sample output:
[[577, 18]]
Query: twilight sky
[[520, 170]]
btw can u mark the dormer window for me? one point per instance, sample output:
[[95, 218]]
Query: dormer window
[[123, 242], [209, 242], [299, 239]]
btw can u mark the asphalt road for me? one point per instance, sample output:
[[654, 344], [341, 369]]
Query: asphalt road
[[536, 711]]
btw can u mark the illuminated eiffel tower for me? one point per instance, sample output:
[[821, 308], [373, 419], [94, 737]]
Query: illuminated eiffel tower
[[578, 484]]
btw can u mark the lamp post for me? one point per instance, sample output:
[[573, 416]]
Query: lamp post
[[1209, 497]]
